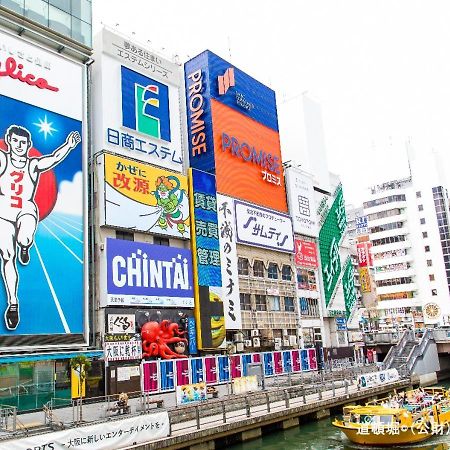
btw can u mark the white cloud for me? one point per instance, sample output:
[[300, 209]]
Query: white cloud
[[70, 196]]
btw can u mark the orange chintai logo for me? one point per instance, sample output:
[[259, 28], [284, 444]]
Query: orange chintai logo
[[226, 81], [247, 158]]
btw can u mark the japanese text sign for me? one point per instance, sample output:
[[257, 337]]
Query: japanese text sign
[[363, 254], [144, 274], [142, 197], [348, 284], [364, 279], [306, 254], [209, 310], [301, 202], [330, 237], [137, 102], [263, 228], [121, 323], [122, 350], [228, 257]]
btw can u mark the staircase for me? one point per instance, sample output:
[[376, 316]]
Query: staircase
[[405, 353]]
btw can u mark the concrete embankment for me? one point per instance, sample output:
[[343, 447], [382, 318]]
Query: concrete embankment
[[240, 418]]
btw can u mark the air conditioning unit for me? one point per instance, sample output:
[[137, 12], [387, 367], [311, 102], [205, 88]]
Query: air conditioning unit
[[254, 333], [277, 342], [238, 337], [286, 342], [292, 340], [256, 342], [240, 347], [247, 343], [285, 332]]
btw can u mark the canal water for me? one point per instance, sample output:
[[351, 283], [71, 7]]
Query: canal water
[[321, 435]]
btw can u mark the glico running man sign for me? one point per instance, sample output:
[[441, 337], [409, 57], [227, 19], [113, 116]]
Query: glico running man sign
[[41, 196]]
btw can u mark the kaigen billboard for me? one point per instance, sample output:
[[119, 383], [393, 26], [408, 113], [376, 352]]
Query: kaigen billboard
[[137, 102], [300, 191], [233, 131], [263, 228], [228, 258], [41, 196], [145, 274], [209, 308], [142, 197]]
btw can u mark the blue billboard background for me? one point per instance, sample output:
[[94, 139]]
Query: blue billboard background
[[133, 254], [51, 286], [206, 229]]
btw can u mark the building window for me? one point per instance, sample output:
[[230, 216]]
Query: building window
[[261, 302], [429, 262], [272, 271], [161, 241], [246, 304], [422, 221], [286, 273], [258, 268], [289, 304], [433, 291], [420, 207], [418, 194], [242, 266], [124, 235], [431, 276], [427, 248], [424, 234], [274, 302]]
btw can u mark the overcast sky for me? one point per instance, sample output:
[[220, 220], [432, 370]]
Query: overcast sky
[[380, 69]]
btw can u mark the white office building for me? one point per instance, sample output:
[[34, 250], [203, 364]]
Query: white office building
[[408, 221]]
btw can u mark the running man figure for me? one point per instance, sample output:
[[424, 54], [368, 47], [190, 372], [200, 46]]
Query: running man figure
[[19, 215]]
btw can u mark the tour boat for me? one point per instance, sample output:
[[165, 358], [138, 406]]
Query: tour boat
[[405, 418]]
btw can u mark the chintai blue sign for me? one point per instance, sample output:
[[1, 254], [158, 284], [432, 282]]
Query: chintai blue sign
[[144, 274]]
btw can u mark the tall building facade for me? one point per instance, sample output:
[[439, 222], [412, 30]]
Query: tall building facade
[[409, 229]]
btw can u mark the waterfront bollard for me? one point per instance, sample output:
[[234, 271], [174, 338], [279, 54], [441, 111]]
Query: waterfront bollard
[[224, 413], [334, 388], [319, 392], [268, 402], [286, 398], [303, 395], [346, 386], [247, 406], [197, 417]]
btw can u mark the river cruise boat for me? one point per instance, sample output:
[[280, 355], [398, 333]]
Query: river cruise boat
[[402, 419]]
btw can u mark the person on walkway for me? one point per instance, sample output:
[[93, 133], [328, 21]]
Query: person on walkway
[[122, 403]]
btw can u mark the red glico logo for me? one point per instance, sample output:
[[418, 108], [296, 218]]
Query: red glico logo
[[226, 81], [14, 71]]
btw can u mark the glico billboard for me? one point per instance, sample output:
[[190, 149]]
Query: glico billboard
[[42, 197], [233, 131]]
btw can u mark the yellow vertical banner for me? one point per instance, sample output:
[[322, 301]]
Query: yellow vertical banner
[[75, 384]]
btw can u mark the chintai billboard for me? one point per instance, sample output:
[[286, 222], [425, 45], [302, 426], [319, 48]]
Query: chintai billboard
[[42, 197], [233, 131]]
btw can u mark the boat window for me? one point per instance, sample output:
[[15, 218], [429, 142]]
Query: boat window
[[386, 420]]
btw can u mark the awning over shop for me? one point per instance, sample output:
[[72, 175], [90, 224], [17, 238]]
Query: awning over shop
[[49, 356]]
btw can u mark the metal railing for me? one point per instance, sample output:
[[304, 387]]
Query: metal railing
[[419, 350]]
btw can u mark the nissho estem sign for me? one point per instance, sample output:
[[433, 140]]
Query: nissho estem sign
[[330, 237], [348, 284]]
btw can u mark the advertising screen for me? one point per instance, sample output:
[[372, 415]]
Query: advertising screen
[[42, 225], [145, 274], [142, 197], [233, 131], [206, 258], [137, 96]]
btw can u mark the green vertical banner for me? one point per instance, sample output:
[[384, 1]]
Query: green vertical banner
[[330, 237], [348, 284]]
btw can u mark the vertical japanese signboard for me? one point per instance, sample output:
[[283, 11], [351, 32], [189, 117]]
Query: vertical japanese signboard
[[209, 309], [42, 201], [348, 284], [364, 279], [330, 237], [300, 191], [228, 257]]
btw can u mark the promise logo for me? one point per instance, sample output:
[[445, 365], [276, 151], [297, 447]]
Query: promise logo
[[226, 81]]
